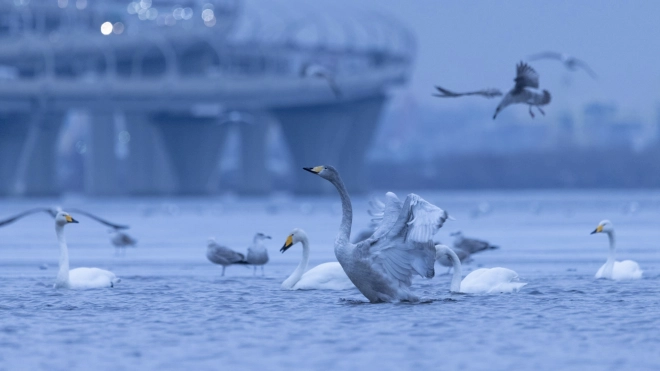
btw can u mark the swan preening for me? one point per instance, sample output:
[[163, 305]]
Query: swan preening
[[480, 281], [326, 276], [257, 255], [78, 278], [612, 269], [382, 266], [523, 92], [570, 62], [223, 255]]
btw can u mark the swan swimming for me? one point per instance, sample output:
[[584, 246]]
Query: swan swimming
[[78, 278], [382, 266], [222, 255], [257, 253], [612, 269], [326, 276], [480, 281]]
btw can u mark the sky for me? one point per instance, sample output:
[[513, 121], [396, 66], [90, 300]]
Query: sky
[[465, 45]]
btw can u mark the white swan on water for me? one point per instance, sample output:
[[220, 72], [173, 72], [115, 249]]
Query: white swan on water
[[326, 276], [612, 269], [382, 266], [78, 278], [480, 281]]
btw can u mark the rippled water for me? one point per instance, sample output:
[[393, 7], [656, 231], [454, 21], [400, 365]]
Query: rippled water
[[173, 310]]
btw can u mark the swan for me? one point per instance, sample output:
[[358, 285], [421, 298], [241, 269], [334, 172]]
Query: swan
[[480, 281], [78, 278], [222, 255], [326, 276], [382, 266], [612, 269], [257, 253]]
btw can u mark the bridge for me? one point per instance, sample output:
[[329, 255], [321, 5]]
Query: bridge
[[168, 82]]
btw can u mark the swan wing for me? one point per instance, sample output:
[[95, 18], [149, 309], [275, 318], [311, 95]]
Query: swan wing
[[326, 276], [526, 77], [385, 215], [91, 278]]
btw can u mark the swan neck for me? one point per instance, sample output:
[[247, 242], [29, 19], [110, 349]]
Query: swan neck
[[63, 273], [347, 213], [612, 238], [302, 266], [458, 271]]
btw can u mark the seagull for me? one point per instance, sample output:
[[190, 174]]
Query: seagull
[[569, 61], [121, 240], [315, 70], [526, 79]]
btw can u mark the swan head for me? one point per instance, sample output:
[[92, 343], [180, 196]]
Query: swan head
[[604, 226], [260, 237], [63, 218], [296, 236], [324, 171]]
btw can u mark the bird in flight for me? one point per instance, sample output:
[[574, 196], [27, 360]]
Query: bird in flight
[[569, 61], [318, 71], [524, 91]]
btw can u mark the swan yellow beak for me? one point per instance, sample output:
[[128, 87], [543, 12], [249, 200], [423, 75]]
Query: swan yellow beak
[[315, 170], [598, 229], [69, 219], [288, 243]]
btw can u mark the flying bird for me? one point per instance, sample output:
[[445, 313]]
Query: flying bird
[[526, 80], [488, 93], [570, 62], [53, 212], [524, 91], [318, 71]]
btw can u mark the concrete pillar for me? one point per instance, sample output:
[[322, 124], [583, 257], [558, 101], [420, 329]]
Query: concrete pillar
[[334, 134], [255, 178], [14, 129], [193, 146], [37, 169], [146, 168], [101, 165]]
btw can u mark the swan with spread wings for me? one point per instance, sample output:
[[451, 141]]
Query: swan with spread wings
[[382, 266]]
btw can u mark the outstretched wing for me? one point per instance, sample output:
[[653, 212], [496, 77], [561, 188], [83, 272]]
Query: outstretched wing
[[582, 64], [526, 76], [26, 213], [488, 93], [102, 221], [404, 246], [545, 55], [384, 215]]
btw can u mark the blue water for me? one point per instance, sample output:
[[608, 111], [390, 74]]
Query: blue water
[[172, 309]]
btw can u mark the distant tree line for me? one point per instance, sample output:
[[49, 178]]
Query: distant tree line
[[565, 168]]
